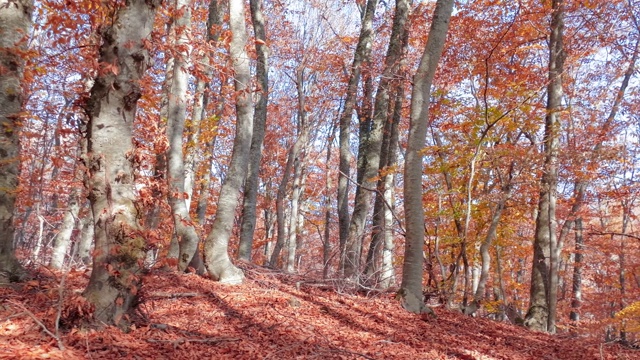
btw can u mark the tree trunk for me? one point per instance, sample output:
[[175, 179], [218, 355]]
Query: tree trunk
[[369, 158], [414, 212], [111, 108], [485, 247], [248, 225], [178, 100], [216, 253], [362, 54], [15, 22], [382, 246], [83, 252], [63, 237], [541, 315], [576, 300]]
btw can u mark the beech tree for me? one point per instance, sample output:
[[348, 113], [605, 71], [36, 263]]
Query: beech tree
[[260, 117], [541, 315], [15, 23], [351, 241], [414, 212], [111, 109], [216, 253]]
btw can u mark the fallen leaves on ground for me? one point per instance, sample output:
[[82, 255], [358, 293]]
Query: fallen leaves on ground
[[270, 316]]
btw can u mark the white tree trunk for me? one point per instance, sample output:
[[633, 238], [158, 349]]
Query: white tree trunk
[[111, 109], [216, 253], [63, 238]]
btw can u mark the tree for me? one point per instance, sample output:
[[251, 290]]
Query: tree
[[541, 315], [248, 225], [350, 246], [110, 109], [177, 112], [378, 153], [414, 211], [216, 254], [15, 22]]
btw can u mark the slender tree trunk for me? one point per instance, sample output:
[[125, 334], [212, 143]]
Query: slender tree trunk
[[485, 247], [361, 56], [382, 245], [216, 253], [248, 225], [576, 300], [111, 108], [63, 237], [280, 210], [370, 154], [541, 315], [15, 24], [414, 212], [326, 244], [177, 110]]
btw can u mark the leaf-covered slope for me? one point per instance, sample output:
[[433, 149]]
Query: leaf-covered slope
[[270, 316]]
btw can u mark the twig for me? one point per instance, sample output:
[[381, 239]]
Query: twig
[[614, 233], [179, 341], [165, 295], [44, 328]]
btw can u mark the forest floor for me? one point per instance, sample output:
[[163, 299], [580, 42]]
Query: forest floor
[[270, 316]]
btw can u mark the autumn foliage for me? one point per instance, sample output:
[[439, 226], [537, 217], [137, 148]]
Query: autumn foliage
[[311, 287]]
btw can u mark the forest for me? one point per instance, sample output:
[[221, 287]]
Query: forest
[[408, 164]]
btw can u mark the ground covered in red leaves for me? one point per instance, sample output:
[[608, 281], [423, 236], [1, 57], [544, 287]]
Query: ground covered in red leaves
[[270, 316]]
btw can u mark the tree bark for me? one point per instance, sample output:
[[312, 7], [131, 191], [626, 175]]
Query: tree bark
[[177, 113], [83, 252], [541, 315], [414, 212], [216, 253], [248, 226], [119, 245], [63, 237], [362, 55], [15, 23], [369, 158]]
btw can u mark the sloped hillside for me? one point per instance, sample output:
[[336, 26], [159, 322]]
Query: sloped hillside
[[270, 316]]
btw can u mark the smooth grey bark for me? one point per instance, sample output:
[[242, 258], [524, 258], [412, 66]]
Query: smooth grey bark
[[414, 212], [248, 226], [177, 113], [216, 253], [576, 281], [381, 247], [15, 23], [326, 243], [369, 156], [298, 156], [62, 241], [541, 315], [485, 247], [111, 109], [361, 56], [83, 252]]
